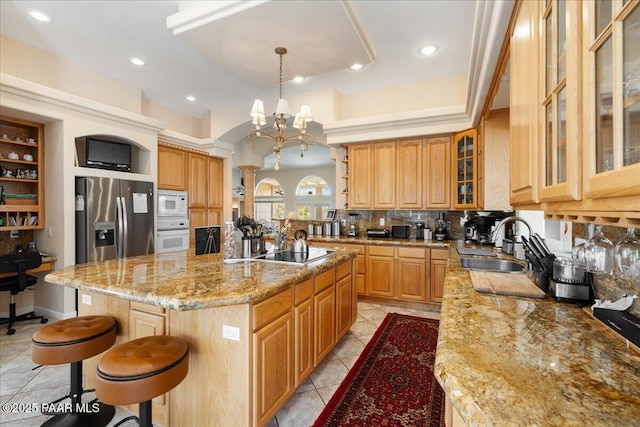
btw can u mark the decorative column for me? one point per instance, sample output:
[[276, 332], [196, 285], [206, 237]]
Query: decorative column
[[249, 178]]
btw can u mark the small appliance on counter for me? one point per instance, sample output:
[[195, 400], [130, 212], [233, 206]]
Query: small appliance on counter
[[400, 231], [353, 230], [420, 230], [484, 225], [442, 227], [471, 230], [570, 281], [377, 232]]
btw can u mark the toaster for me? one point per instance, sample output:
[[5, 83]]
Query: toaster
[[400, 231]]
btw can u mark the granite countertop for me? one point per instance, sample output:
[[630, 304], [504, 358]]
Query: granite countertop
[[184, 281], [513, 361]]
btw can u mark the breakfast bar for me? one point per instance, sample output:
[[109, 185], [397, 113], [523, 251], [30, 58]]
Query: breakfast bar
[[255, 329], [515, 361]]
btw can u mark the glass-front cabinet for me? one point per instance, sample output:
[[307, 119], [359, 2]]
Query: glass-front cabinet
[[612, 100], [465, 163], [560, 103]]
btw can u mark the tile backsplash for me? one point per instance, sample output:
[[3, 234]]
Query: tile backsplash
[[371, 219], [9, 245], [610, 286]]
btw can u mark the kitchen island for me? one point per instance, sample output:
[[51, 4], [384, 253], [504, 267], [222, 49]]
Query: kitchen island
[[513, 361], [255, 329]]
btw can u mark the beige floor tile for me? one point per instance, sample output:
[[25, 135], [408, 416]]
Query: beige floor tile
[[348, 347], [327, 392], [362, 328], [350, 361], [301, 410], [328, 373], [375, 316], [305, 386]]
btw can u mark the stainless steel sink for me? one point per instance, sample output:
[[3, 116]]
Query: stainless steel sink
[[494, 265]]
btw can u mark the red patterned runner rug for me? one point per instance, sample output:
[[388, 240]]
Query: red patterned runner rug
[[392, 383]]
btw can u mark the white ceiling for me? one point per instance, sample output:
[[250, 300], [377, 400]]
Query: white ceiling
[[222, 51]]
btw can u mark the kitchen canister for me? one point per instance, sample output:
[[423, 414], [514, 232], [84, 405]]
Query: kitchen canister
[[310, 229], [318, 230], [336, 228], [328, 229], [229, 240]]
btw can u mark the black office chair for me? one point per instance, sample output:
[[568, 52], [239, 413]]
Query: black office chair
[[18, 263]]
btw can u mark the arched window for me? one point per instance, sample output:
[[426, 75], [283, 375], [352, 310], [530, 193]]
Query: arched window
[[312, 198], [313, 186], [269, 200]]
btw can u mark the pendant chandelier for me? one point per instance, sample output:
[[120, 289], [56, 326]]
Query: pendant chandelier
[[280, 122]]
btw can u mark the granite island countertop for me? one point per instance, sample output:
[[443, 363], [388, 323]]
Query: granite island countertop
[[183, 281], [513, 361]]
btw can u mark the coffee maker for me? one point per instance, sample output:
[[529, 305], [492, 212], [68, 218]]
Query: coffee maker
[[484, 225], [420, 230], [442, 227]]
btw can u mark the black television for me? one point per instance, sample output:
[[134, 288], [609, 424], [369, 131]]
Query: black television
[[107, 155]]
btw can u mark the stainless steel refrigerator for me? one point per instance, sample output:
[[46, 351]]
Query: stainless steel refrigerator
[[114, 218]]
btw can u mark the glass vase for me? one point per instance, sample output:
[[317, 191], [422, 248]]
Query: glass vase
[[627, 255], [598, 253]]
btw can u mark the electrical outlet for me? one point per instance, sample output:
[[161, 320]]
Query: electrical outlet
[[86, 299], [14, 234], [231, 333], [382, 222]]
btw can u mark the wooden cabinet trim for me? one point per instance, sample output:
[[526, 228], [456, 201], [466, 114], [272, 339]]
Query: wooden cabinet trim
[[324, 280], [268, 310]]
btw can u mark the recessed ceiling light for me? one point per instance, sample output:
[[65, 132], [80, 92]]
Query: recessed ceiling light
[[190, 98], [298, 79], [356, 66], [136, 61], [38, 15], [428, 49]]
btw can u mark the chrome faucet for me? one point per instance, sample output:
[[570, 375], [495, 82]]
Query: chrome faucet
[[504, 221]]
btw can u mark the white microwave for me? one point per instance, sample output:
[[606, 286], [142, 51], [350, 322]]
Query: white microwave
[[172, 204]]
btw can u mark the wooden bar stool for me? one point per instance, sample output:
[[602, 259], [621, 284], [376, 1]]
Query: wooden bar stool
[[139, 370], [72, 341]]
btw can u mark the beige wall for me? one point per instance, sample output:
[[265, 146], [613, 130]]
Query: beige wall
[[29, 63], [409, 97], [173, 120]]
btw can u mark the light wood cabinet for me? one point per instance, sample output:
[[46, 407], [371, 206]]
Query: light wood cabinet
[[201, 175], [380, 271], [409, 174], [360, 176], [215, 188], [303, 331], [437, 172], [273, 380], [611, 108], [523, 104], [560, 176], [383, 171], [465, 170], [325, 323], [197, 180], [172, 168], [495, 167], [344, 299], [23, 182], [411, 271], [438, 270]]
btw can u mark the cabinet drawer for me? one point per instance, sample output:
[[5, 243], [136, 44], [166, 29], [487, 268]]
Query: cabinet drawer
[[381, 250], [147, 308], [343, 270], [270, 309], [411, 253], [303, 291], [439, 253], [324, 280]]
